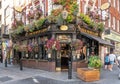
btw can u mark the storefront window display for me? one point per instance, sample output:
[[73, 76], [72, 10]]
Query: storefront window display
[[41, 49]]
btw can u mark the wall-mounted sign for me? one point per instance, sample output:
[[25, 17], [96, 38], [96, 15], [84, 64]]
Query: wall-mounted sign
[[113, 36], [37, 32], [64, 27], [6, 36], [105, 6], [64, 38], [84, 30]]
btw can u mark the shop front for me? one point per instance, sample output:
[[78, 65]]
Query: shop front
[[50, 48], [35, 52], [113, 38], [92, 42]]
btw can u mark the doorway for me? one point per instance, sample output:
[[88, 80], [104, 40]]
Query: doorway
[[64, 56]]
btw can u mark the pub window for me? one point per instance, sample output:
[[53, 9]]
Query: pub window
[[41, 48], [36, 48], [31, 52], [42, 51]]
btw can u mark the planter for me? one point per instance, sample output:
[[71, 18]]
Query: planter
[[88, 75]]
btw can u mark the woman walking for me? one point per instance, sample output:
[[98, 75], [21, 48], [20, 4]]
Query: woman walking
[[106, 61]]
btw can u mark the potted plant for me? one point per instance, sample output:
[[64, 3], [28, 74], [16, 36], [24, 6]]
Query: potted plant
[[93, 73], [95, 62]]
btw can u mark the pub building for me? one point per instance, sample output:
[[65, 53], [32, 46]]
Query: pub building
[[73, 41]]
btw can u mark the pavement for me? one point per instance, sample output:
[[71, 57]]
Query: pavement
[[13, 75]]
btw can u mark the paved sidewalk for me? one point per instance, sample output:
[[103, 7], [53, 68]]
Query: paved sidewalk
[[13, 73]]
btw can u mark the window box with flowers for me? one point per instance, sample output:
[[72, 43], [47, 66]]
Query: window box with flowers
[[52, 46]]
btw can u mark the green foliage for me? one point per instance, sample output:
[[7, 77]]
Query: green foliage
[[39, 23], [100, 26], [69, 18], [32, 27], [20, 29], [92, 24], [54, 19], [86, 19], [95, 62]]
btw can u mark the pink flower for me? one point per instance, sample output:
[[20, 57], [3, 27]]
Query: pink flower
[[53, 44]]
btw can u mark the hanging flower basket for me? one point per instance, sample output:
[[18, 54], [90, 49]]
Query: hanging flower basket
[[52, 44], [78, 44], [30, 47], [56, 1]]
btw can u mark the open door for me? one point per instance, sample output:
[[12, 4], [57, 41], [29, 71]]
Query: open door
[[64, 56]]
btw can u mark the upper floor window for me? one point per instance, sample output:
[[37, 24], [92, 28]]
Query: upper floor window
[[109, 21], [119, 5], [6, 29], [0, 5], [119, 25], [114, 23], [114, 3], [7, 12]]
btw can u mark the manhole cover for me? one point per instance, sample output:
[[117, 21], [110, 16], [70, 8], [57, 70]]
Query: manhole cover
[[5, 78]]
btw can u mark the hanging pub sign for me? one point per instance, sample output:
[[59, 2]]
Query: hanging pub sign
[[84, 30], [37, 32]]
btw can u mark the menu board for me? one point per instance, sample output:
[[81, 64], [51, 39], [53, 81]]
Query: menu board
[[64, 38]]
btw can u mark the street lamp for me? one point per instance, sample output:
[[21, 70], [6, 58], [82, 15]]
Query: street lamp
[[19, 18], [65, 27], [64, 16]]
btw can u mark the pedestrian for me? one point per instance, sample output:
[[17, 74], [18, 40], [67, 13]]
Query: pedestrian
[[92, 53], [106, 61], [112, 59]]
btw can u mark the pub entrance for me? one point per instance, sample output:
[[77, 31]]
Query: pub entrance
[[64, 56]]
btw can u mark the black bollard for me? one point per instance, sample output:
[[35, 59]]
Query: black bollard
[[5, 62], [69, 70], [70, 64], [21, 67]]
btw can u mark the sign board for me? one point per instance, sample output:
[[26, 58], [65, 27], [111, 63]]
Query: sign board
[[113, 36], [84, 30], [105, 6]]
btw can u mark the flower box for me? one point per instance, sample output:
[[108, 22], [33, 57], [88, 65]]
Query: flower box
[[88, 75]]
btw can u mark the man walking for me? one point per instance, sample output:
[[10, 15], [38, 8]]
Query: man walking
[[112, 59]]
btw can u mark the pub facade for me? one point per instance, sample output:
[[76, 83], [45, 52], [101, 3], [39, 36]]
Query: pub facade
[[51, 47]]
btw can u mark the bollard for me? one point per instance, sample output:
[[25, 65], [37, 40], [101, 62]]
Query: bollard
[[5, 62], [21, 67]]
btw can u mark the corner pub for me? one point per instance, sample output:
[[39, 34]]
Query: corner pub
[[75, 43]]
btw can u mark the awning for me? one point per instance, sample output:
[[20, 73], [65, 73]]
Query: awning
[[101, 41]]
